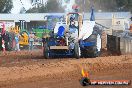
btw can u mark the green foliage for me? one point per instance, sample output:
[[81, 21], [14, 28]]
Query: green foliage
[[121, 2], [124, 5], [51, 6], [104, 5], [6, 6], [33, 10]]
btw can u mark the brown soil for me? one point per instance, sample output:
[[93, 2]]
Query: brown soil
[[26, 69]]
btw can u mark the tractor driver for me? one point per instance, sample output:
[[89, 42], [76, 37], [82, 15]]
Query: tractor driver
[[72, 27]]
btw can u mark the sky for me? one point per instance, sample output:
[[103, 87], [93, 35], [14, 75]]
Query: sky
[[26, 3], [17, 5]]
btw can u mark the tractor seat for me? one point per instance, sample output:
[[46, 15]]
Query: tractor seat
[[60, 32]]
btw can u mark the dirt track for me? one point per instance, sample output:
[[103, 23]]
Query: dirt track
[[30, 70]]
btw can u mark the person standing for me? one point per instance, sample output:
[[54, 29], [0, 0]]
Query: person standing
[[31, 40], [17, 48]]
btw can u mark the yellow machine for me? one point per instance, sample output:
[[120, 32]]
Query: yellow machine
[[23, 36]]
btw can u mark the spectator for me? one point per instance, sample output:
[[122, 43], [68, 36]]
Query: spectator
[[17, 42], [31, 40]]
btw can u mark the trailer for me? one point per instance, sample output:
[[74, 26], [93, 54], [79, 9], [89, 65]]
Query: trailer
[[119, 40], [119, 43]]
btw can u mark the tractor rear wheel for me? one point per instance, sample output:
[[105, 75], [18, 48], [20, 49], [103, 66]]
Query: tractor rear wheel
[[95, 52], [77, 50], [46, 51]]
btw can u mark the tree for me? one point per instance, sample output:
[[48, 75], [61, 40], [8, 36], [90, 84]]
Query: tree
[[33, 10], [6, 6], [103, 5], [22, 10], [124, 5], [51, 6]]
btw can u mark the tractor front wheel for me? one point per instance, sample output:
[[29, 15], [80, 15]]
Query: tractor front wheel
[[77, 50]]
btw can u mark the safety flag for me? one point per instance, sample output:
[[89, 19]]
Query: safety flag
[[92, 17]]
